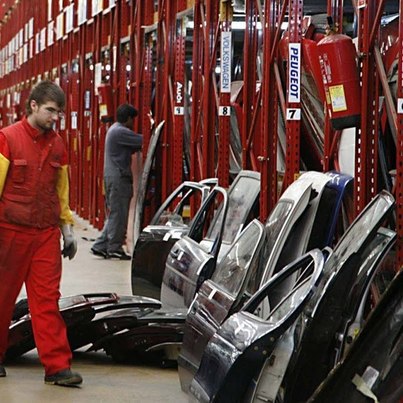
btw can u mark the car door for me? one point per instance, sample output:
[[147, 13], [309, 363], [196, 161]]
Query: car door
[[190, 261], [325, 312], [244, 340], [218, 297], [373, 368], [268, 383], [243, 206], [170, 222]]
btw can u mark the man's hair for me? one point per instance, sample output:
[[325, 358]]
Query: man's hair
[[46, 91], [124, 112]]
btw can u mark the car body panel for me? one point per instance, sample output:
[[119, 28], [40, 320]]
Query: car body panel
[[157, 238], [219, 296], [303, 199], [316, 225], [375, 359], [360, 290], [188, 262], [244, 340], [144, 182], [267, 386], [331, 298], [77, 310], [243, 203]]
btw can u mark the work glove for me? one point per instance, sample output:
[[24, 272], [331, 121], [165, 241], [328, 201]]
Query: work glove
[[69, 241]]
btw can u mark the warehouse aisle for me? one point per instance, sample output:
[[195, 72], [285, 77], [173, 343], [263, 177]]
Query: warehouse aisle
[[104, 380]]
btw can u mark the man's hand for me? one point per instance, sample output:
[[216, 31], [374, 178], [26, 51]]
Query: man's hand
[[69, 241]]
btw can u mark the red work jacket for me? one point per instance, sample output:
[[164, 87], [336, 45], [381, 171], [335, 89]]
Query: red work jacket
[[30, 192]]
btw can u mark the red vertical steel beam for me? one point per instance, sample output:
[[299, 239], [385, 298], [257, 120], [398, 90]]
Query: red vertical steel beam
[[249, 85], [88, 112], [104, 44], [366, 163], [209, 104], [83, 125], [124, 49], [73, 117], [178, 99], [399, 146], [268, 152], [197, 82], [116, 60], [96, 180], [335, 10], [166, 39], [160, 99], [224, 112], [141, 74], [293, 95], [143, 78], [361, 143]]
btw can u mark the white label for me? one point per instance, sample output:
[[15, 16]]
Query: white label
[[37, 43], [62, 123], [294, 72], [69, 18], [224, 111], [293, 114], [87, 99], [226, 46], [50, 9], [31, 48], [179, 93], [31, 28], [179, 110], [400, 105], [97, 76], [51, 33], [59, 26], [43, 39], [74, 120], [82, 11], [26, 28], [97, 7]]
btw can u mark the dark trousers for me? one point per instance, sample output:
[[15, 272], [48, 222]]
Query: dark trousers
[[118, 193]]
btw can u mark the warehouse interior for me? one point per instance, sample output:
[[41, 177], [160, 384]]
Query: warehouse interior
[[265, 231]]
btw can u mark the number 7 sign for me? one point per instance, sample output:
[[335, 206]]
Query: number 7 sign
[[293, 114]]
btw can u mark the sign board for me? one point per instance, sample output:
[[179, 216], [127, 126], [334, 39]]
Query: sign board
[[294, 72], [226, 57]]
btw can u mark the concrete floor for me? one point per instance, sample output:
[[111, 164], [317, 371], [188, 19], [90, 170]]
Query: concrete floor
[[104, 380]]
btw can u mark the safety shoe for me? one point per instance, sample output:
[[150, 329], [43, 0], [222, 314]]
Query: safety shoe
[[64, 378], [3, 372], [98, 252], [119, 255]]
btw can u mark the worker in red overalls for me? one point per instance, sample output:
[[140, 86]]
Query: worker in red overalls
[[34, 210]]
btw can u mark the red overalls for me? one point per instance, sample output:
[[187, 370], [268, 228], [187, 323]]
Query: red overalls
[[30, 239]]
